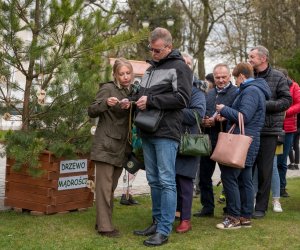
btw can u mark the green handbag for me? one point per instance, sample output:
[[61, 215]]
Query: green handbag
[[195, 144]]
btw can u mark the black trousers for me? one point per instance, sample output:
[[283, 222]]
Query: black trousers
[[295, 158], [264, 164], [206, 171]]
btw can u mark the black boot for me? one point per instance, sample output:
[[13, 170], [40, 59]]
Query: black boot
[[296, 166], [157, 239], [132, 201], [124, 201], [284, 193], [148, 231]]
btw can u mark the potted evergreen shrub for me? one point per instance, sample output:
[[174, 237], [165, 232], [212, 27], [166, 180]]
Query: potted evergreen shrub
[[52, 57]]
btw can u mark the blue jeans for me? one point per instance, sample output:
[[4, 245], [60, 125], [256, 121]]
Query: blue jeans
[[282, 159], [238, 187], [159, 157], [275, 185]]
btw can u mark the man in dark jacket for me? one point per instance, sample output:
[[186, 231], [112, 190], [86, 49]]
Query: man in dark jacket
[[223, 93], [166, 86], [275, 107]]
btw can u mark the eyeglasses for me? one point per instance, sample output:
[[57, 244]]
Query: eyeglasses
[[157, 51]]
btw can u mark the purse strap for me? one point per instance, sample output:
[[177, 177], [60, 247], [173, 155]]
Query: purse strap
[[241, 125], [197, 120], [130, 124], [148, 81]]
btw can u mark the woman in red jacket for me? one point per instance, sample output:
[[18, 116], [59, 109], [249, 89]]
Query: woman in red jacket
[[290, 128], [294, 154]]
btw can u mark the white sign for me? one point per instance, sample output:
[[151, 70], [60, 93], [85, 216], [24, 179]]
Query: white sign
[[73, 166], [72, 182]]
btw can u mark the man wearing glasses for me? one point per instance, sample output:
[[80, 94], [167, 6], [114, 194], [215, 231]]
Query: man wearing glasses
[[166, 85]]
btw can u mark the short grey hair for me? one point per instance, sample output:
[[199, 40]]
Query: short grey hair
[[262, 50], [225, 65], [161, 33]]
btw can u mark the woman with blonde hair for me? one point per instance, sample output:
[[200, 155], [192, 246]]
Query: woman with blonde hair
[[110, 144]]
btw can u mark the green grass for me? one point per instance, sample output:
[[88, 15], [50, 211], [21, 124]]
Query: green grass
[[75, 230]]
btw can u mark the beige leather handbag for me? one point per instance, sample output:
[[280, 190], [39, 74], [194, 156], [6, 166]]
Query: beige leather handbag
[[232, 149]]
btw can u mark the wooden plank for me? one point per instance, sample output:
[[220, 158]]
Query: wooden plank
[[47, 156], [73, 206], [33, 189], [47, 209], [30, 180], [46, 166], [28, 205], [49, 162], [10, 161], [36, 213], [70, 198], [29, 197], [78, 191], [49, 175]]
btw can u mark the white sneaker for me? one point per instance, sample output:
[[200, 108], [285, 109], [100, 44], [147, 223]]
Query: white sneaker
[[277, 207]]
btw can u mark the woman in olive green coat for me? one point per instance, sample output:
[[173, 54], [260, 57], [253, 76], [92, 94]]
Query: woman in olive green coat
[[110, 145]]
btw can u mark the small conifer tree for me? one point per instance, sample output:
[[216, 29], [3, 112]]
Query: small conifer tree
[[52, 59]]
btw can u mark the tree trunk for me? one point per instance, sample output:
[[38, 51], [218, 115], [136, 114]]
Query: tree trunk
[[26, 110], [201, 64]]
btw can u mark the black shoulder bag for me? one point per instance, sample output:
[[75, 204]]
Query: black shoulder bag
[[148, 120]]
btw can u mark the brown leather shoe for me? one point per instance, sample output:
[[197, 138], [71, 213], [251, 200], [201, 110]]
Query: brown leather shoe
[[111, 234], [184, 226]]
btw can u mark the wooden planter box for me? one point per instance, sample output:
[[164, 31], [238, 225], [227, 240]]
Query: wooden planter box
[[61, 188]]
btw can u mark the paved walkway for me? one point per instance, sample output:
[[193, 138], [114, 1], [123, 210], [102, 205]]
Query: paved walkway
[[139, 185]]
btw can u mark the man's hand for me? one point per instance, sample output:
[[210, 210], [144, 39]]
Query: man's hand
[[142, 102], [208, 122]]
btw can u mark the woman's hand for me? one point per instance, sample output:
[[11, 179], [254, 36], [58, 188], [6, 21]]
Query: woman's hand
[[125, 103], [219, 107], [220, 118], [112, 101]]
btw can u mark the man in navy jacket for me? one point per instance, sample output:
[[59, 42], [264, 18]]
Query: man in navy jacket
[[223, 93]]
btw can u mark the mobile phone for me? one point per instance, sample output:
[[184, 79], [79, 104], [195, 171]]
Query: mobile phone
[[215, 114]]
